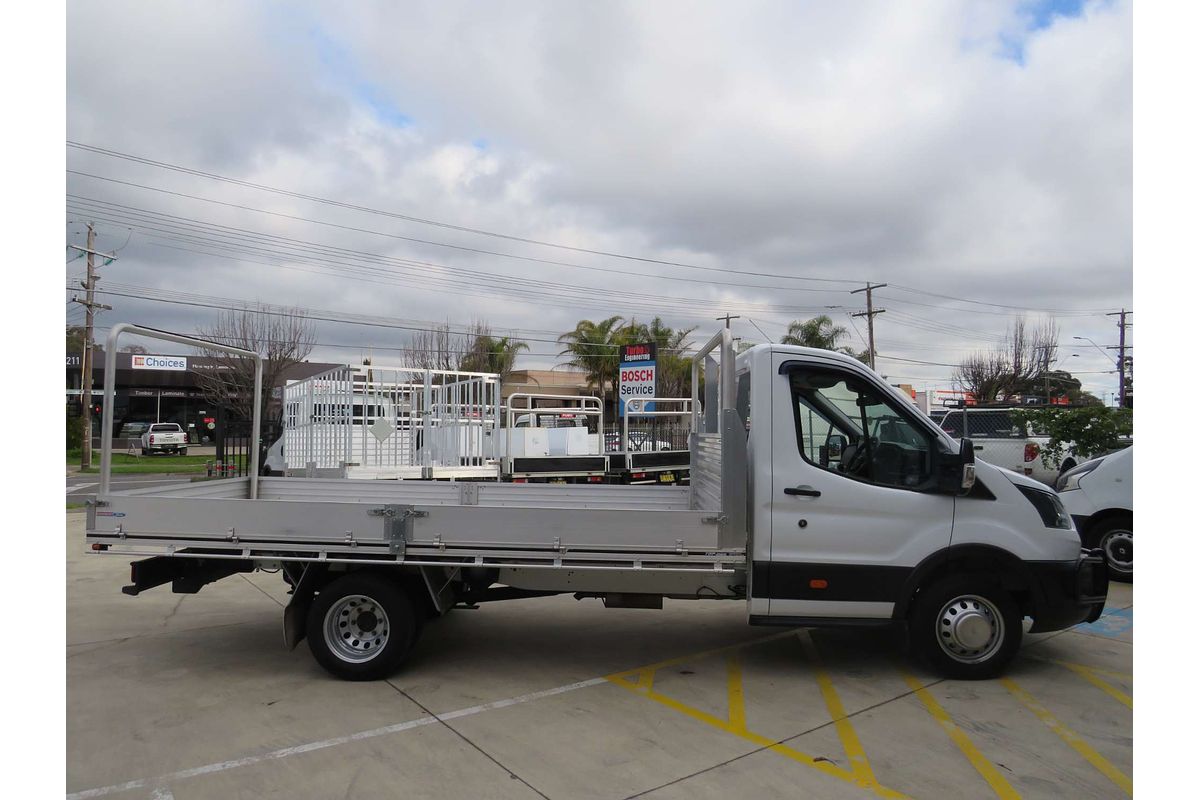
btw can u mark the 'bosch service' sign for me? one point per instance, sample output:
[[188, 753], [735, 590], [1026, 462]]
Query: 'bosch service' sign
[[172, 363], [637, 374]]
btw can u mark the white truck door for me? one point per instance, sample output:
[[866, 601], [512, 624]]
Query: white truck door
[[851, 513]]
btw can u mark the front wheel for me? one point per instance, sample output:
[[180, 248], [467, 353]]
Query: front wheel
[[965, 627], [1115, 538], [361, 627]]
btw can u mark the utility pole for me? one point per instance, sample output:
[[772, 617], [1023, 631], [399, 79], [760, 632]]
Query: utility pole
[[1121, 325], [870, 315], [727, 319], [91, 305]]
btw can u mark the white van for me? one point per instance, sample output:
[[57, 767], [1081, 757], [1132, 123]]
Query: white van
[[1098, 494]]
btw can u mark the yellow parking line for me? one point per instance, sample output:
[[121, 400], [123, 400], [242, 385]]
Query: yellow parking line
[[737, 700], [822, 765], [640, 682], [1121, 676], [1069, 736], [697, 656], [853, 747], [982, 765], [1089, 675]]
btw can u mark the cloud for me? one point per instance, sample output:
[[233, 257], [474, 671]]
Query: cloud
[[893, 142]]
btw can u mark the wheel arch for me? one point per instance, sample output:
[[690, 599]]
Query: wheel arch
[[958, 559], [310, 581], [1102, 516]]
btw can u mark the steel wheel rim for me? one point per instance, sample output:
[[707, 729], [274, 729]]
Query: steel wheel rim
[[970, 629], [356, 628], [1118, 550]]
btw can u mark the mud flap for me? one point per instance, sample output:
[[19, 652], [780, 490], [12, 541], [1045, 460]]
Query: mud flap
[[295, 615]]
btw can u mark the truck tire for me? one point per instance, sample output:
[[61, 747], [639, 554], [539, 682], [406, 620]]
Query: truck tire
[[183, 451], [1115, 537], [361, 626], [965, 627]]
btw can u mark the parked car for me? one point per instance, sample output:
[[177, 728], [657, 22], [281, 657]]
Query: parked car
[[164, 437], [133, 430], [1098, 494], [999, 439]]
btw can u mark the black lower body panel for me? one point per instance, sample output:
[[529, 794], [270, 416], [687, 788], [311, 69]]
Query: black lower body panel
[[1068, 593]]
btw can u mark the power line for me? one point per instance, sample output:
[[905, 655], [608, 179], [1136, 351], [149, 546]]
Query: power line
[[423, 221], [510, 237], [464, 248], [910, 289], [411, 349], [243, 240], [296, 312]]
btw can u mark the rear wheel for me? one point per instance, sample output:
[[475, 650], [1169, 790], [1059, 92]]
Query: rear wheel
[[183, 451], [361, 627], [965, 627]]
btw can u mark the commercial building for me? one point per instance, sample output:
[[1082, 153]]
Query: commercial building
[[157, 388]]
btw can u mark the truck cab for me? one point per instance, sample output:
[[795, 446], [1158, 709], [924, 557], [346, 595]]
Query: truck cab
[[862, 511]]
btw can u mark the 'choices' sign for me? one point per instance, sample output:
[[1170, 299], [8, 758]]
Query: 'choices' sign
[[171, 363]]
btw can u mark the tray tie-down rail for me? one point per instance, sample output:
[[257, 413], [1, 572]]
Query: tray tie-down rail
[[397, 525]]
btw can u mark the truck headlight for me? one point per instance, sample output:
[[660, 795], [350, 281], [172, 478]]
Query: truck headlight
[[1069, 480]]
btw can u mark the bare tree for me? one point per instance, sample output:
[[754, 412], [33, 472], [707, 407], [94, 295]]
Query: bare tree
[[284, 339], [1017, 365], [441, 348], [984, 375], [1030, 352]]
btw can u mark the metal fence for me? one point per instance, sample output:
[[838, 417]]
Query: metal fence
[[651, 425], [390, 419], [232, 458]]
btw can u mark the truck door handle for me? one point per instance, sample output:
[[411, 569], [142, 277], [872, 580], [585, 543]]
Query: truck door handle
[[803, 491]]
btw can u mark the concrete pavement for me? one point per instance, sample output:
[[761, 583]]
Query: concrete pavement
[[194, 696]]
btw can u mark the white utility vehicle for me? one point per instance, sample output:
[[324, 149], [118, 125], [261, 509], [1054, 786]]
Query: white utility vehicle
[[895, 527], [1098, 494], [1001, 440], [164, 437]]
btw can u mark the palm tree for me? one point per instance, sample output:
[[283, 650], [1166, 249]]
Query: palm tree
[[495, 354], [594, 348], [819, 332]]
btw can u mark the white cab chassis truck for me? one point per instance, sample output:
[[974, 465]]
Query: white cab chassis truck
[[819, 497]]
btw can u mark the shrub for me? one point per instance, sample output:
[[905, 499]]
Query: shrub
[[1088, 432], [74, 433]]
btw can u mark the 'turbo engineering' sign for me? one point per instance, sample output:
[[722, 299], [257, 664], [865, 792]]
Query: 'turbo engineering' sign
[[172, 363], [637, 374]]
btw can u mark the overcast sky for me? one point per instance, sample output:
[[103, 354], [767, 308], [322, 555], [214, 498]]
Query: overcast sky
[[773, 152]]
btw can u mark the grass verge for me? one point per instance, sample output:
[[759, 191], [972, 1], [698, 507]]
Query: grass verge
[[123, 463]]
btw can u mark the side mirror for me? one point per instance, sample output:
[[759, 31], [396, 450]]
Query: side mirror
[[956, 473], [831, 451]]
